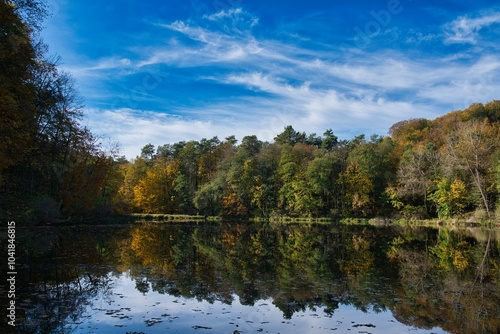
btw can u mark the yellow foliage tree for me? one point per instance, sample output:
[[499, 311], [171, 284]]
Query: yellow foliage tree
[[458, 196], [451, 198], [358, 189], [155, 192], [471, 148]]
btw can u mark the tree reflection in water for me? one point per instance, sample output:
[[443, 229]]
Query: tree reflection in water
[[426, 277]]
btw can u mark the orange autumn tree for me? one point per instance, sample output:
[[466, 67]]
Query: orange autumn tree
[[155, 193], [52, 167]]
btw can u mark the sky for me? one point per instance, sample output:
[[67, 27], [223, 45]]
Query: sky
[[167, 71]]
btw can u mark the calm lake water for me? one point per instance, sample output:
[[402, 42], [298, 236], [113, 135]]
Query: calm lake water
[[257, 278]]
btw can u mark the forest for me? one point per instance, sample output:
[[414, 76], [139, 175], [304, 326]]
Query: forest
[[447, 167], [54, 169]]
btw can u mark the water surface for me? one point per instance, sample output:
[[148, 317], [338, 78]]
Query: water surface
[[257, 278]]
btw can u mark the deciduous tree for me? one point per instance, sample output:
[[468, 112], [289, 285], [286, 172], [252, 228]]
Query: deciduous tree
[[471, 148]]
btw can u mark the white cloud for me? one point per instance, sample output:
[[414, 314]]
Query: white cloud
[[354, 75], [466, 84], [135, 128], [213, 47], [419, 37], [236, 16], [286, 83], [314, 109], [465, 30], [224, 14], [360, 96]]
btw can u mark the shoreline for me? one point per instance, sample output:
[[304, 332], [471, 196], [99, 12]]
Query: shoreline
[[135, 218]]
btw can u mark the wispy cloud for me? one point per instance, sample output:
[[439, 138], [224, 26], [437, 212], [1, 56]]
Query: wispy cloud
[[313, 107], [466, 83], [135, 128], [465, 30], [236, 17], [213, 46], [102, 67], [224, 14], [259, 82]]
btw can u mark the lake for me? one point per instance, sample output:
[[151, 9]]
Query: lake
[[256, 278]]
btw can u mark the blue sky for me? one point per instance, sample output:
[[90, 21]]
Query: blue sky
[[164, 71]]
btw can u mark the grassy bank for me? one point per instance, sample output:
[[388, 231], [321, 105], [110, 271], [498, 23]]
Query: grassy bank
[[179, 218], [430, 222], [386, 221], [140, 217]]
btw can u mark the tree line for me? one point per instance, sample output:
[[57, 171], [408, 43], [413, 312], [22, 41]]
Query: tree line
[[447, 167], [54, 168], [50, 163]]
